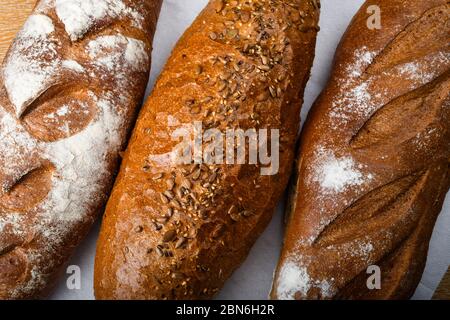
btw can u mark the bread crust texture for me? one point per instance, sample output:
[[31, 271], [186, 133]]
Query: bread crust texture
[[372, 171], [70, 87], [176, 231]]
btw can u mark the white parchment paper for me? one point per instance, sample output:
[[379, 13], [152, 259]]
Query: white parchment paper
[[253, 280]]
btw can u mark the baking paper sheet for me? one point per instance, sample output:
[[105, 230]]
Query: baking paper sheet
[[253, 280]]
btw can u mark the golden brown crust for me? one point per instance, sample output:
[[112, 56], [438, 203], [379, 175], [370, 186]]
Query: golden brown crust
[[178, 231], [70, 86], [373, 167]]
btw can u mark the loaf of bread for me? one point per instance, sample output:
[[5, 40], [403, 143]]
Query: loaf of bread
[[70, 86], [178, 231], [373, 167]]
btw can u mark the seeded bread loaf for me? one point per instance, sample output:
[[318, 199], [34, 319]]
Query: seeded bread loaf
[[69, 89], [373, 167], [176, 231]]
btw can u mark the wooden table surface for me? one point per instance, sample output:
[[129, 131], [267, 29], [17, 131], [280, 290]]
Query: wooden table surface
[[13, 14], [443, 291]]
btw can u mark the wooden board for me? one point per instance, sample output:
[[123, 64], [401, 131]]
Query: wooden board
[[13, 14], [443, 291]]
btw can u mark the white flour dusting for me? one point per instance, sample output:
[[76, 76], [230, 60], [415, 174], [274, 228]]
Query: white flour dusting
[[415, 72], [355, 98], [364, 249], [79, 16], [103, 51], [336, 174], [14, 143], [73, 65], [363, 58], [295, 279], [64, 110], [26, 74], [80, 161], [135, 53], [292, 279], [13, 220], [37, 26]]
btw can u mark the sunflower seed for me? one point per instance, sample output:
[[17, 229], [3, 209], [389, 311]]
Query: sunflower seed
[[213, 36], [233, 87], [207, 100], [185, 183], [179, 193], [169, 194], [212, 177], [229, 23], [170, 184], [222, 60], [177, 275], [281, 77], [197, 174], [246, 213], [222, 86], [164, 199], [181, 241], [264, 60], [169, 212], [158, 176], [175, 204], [273, 92], [162, 220], [225, 93], [279, 92], [217, 232]]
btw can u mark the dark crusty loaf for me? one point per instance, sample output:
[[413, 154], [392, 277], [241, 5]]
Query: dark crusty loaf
[[373, 167], [69, 89], [178, 231]]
